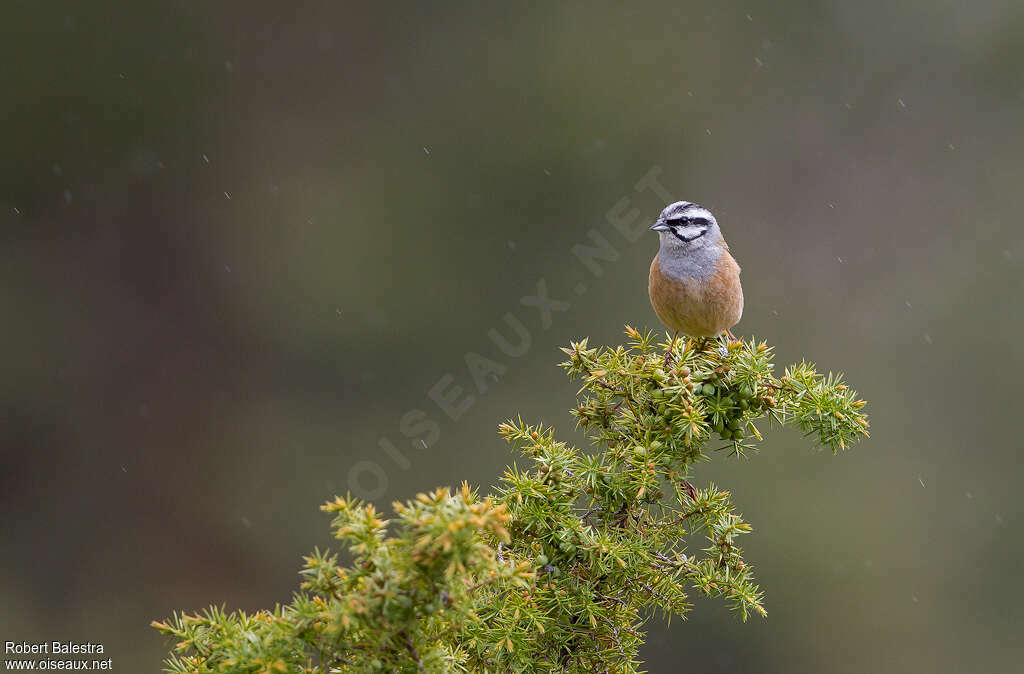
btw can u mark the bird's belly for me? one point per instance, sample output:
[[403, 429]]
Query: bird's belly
[[699, 308]]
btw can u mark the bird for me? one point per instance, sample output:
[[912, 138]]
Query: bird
[[695, 281]]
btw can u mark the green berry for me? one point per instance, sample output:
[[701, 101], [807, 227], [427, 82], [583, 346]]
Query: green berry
[[733, 423], [746, 393], [738, 434], [744, 404], [725, 434], [708, 389], [542, 560]]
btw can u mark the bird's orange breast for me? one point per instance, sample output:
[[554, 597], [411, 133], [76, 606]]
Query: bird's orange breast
[[698, 308]]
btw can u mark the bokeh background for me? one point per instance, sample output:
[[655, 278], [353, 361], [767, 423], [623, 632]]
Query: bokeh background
[[241, 240]]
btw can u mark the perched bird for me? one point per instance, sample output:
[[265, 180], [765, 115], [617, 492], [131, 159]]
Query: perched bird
[[695, 282]]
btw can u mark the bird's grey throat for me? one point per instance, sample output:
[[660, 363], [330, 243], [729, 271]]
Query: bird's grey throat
[[697, 264]]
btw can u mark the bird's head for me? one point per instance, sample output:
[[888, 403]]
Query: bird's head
[[686, 227]]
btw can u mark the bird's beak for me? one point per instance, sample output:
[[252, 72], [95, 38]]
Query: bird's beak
[[660, 226]]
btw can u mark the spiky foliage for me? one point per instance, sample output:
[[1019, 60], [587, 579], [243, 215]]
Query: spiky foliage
[[560, 569]]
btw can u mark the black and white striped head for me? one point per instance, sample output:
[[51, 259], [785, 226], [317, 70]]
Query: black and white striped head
[[686, 226]]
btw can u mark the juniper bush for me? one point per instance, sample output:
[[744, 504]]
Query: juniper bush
[[559, 569]]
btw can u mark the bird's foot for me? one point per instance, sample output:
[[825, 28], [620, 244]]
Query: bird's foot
[[725, 343], [671, 350]]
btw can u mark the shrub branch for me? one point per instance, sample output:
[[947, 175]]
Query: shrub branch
[[559, 568]]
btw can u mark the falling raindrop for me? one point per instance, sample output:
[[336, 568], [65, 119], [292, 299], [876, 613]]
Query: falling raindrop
[[206, 159], [426, 151], [227, 195]]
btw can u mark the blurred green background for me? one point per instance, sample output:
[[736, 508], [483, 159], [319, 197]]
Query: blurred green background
[[241, 240]]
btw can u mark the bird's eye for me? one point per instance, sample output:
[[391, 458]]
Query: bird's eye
[[684, 220]]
